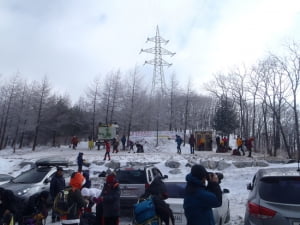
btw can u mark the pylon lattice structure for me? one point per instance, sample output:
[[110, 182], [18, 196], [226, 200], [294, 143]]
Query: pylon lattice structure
[[158, 80]]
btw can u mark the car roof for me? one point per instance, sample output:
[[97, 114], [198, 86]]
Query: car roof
[[136, 167], [280, 171], [52, 161]]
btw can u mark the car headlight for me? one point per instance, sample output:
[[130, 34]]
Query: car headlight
[[23, 192]]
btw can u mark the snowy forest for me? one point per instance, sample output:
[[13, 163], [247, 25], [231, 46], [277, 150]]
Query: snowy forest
[[259, 101]]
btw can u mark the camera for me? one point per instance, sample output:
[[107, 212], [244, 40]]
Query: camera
[[219, 175]]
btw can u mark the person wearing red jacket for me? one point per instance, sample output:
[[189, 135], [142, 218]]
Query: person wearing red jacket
[[107, 150]]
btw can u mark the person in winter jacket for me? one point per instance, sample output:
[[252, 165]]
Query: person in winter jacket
[[80, 161], [37, 207], [158, 191], [107, 150], [123, 140], [8, 206], [75, 200], [249, 145], [57, 184], [199, 199], [192, 142], [239, 143], [178, 140], [74, 142], [110, 201]]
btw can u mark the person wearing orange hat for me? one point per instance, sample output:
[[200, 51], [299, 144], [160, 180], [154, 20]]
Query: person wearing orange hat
[[75, 200]]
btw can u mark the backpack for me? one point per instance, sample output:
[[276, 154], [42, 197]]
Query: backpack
[[60, 204], [144, 212]]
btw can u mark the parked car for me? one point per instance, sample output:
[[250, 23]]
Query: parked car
[[4, 178], [274, 197], [38, 178], [133, 182], [176, 188]]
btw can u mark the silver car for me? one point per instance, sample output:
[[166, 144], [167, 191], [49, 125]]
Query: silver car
[[274, 197], [175, 191]]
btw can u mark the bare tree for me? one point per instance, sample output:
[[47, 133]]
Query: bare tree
[[42, 92], [93, 94]]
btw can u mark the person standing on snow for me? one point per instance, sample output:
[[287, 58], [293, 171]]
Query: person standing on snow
[[179, 142], [57, 184], [239, 143], [75, 200], [192, 142], [74, 142], [110, 201], [80, 161], [123, 140], [199, 199], [107, 149]]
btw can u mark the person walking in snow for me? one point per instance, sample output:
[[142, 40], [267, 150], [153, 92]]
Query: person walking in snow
[[123, 140], [131, 144], [80, 161], [107, 149], [199, 199], [192, 142], [179, 142], [115, 144], [239, 143], [91, 143], [74, 142]]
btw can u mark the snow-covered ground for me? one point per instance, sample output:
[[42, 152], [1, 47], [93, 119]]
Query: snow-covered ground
[[235, 179]]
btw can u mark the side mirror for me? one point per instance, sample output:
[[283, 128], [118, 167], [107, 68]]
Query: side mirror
[[249, 187], [165, 176], [46, 181], [226, 191]]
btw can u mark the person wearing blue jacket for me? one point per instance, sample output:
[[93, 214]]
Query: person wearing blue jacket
[[199, 198]]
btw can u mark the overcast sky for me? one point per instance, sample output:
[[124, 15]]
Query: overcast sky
[[73, 41]]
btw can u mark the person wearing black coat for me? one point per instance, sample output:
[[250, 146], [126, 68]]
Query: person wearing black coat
[[158, 191], [57, 184], [8, 207], [108, 204], [37, 208], [80, 161]]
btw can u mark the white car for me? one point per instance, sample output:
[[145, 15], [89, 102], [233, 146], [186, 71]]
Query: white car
[[4, 178], [175, 191]]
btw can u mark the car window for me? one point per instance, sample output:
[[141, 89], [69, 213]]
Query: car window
[[272, 189], [32, 176], [175, 189], [131, 176], [4, 177]]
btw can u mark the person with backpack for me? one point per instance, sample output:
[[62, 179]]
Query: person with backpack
[[157, 191], [57, 184], [75, 201], [178, 140], [199, 199], [108, 203]]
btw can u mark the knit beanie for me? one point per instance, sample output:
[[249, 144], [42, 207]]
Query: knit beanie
[[111, 178], [199, 172]]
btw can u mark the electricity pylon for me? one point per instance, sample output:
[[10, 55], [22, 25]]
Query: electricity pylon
[[158, 80]]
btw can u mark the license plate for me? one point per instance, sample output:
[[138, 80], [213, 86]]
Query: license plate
[[178, 218], [127, 192]]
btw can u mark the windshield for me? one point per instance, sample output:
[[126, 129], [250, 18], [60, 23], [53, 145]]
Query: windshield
[[131, 176], [280, 189], [34, 175], [175, 189]]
